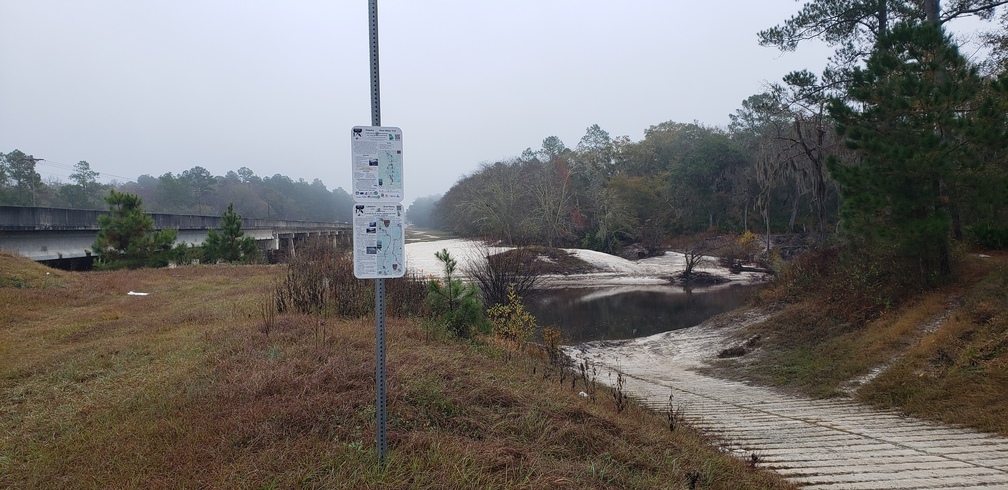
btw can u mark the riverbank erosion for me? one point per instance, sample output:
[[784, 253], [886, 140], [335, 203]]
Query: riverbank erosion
[[821, 443]]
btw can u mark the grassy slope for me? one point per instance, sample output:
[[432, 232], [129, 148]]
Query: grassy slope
[[944, 353], [182, 388]]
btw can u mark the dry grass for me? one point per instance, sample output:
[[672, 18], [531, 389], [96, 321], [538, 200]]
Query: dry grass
[[943, 353], [182, 389], [958, 373]]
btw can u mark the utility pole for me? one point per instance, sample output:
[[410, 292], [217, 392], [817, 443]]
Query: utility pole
[[31, 177]]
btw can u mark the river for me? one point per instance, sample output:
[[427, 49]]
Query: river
[[623, 312]]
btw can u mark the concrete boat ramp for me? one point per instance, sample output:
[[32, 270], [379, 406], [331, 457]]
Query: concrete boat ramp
[[819, 444]]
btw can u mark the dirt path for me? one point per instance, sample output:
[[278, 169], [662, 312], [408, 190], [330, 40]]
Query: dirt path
[[834, 444]]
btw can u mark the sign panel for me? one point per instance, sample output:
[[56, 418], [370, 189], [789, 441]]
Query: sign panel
[[376, 155], [379, 241]]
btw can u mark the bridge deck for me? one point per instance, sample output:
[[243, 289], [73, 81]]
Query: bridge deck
[[56, 233]]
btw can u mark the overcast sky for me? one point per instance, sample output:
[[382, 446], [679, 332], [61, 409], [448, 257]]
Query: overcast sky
[[146, 87]]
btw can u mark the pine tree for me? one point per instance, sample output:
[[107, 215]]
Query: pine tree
[[230, 244], [913, 124], [127, 238]]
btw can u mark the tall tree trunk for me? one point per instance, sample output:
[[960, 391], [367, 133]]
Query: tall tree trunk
[[931, 10], [883, 19], [794, 211], [766, 217]]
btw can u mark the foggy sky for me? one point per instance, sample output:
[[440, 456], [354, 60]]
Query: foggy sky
[[139, 87]]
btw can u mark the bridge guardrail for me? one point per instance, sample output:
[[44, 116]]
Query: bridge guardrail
[[26, 218]]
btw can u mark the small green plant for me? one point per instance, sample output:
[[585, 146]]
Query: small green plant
[[455, 303]]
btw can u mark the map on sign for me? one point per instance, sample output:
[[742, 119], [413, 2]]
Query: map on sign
[[379, 242], [376, 155]]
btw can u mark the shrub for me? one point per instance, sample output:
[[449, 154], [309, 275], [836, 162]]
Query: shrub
[[988, 236], [320, 280], [741, 250], [511, 321], [497, 272]]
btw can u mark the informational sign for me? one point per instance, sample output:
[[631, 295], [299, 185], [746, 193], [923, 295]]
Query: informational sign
[[376, 153], [379, 241]]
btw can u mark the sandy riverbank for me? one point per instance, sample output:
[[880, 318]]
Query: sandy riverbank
[[612, 270]]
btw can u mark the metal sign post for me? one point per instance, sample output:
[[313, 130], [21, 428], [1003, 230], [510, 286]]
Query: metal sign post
[[380, 407], [378, 230]]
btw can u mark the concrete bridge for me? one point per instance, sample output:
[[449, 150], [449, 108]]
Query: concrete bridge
[[56, 234]]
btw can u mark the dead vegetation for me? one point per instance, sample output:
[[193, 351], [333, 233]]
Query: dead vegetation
[[940, 354], [185, 388]]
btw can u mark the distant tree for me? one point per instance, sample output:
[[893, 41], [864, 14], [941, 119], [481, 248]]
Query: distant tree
[[317, 201], [342, 203], [552, 147], [84, 176], [528, 156], [72, 195], [200, 182], [639, 215], [83, 193], [247, 175], [280, 192], [420, 212], [595, 148], [146, 187], [491, 203], [4, 177], [555, 216], [794, 137], [174, 193], [701, 185], [230, 244], [593, 166], [127, 238], [27, 182]]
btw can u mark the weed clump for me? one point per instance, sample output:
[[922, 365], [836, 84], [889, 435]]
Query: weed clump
[[320, 280]]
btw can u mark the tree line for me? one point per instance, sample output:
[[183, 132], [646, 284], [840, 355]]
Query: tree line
[[193, 191], [898, 147]]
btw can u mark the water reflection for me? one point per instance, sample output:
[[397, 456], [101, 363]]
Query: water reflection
[[614, 313]]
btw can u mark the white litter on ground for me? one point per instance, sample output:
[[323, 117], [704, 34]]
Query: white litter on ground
[[134, 293]]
